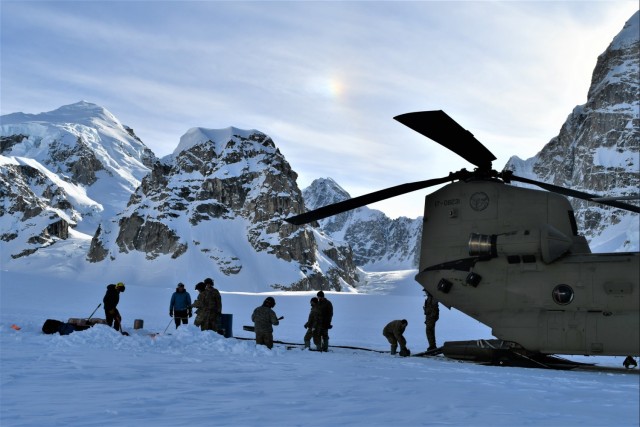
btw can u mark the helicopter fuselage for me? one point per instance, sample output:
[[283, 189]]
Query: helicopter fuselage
[[511, 258]]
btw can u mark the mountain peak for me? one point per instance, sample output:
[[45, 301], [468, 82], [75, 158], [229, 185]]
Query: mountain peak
[[198, 135], [324, 191], [629, 35], [81, 112]]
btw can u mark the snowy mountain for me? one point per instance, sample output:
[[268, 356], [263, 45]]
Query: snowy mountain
[[598, 147], [70, 167], [79, 188], [379, 243], [220, 201]]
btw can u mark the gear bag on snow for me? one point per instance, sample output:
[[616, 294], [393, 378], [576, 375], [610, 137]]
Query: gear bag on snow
[[51, 326]]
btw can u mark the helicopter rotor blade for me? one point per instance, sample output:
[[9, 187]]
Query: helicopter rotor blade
[[608, 198], [507, 176], [376, 196], [441, 128]]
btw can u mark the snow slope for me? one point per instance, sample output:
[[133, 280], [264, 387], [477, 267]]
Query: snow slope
[[191, 378]]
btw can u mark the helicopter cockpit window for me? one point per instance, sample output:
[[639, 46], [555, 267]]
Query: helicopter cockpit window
[[562, 294], [574, 224]]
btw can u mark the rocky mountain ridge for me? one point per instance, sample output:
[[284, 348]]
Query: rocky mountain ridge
[[218, 200], [598, 147], [221, 180], [53, 172], [379, 243]]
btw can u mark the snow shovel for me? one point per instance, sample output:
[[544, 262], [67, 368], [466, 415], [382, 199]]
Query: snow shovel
[[94, 312], [126, 334], [155, 334], [165, 329]]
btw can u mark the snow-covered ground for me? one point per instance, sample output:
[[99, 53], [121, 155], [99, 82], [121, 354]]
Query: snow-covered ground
[[186, 377]]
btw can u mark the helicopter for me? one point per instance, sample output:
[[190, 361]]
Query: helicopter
[[511, 258]]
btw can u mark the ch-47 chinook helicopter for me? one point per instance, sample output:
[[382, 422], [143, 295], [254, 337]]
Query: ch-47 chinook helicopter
[[511, 258]]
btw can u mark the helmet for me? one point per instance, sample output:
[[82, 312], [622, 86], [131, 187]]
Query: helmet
[[320, 294], [314, 300], [269, 302], [120, 286], [208, 281], [200, 286]]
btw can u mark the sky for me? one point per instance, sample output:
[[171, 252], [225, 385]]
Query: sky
[[186, 377], [323, 79]]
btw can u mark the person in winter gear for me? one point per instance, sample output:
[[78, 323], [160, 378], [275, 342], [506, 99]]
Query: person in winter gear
[[326, 315], [215, 321], [204, 306], [110, 304], [180, 305], [393, 333], [432, 314], [264, 318], [312, 325]]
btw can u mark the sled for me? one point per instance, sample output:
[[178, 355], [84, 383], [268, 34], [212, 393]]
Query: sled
[[86, 322], [52, 326]]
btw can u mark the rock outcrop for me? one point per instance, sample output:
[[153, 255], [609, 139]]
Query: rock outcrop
[[379, 243], [222, 196], [598, 147]]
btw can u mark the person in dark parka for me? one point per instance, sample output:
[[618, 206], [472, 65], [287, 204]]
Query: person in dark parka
[[312, 325], [432, 314], [326, 315], [393, 332], [215, 319], [264, 319], [204, 307], [110, 304]]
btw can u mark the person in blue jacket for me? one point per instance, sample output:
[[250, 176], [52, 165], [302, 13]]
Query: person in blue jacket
[[180, 305]]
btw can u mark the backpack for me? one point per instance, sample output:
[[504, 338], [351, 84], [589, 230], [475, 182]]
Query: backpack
[[51, 326], [66, 329]]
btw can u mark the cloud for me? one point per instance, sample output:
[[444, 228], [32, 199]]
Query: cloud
[[324, 79]]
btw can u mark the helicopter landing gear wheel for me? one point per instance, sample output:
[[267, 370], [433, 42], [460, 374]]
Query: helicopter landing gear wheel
[[629, 363]]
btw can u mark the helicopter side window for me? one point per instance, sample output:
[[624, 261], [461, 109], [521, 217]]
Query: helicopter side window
[[574, 224], [562, 294]]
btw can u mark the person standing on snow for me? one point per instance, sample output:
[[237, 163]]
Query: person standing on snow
[[180, 305], [204, 306], [216, 305], [432, 314], [312, 326], [110, 304], [264, 318], [326, 315], [393, 333]]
